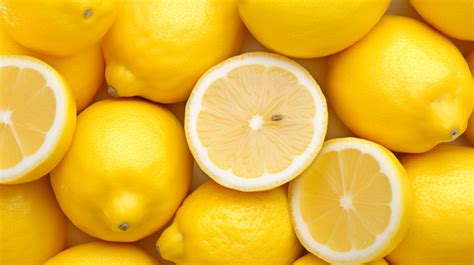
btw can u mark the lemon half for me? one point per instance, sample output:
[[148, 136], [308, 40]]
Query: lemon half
[[352, 204], [255, 121], [37, 119]]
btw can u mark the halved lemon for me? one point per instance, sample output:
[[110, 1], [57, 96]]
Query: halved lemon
[[352, 205], [37, 119], [255, 121]]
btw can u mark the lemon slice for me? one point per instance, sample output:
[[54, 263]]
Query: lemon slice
[[255, 121], [352, 204], [37, 119]]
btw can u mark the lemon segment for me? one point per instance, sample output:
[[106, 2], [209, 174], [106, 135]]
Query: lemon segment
[[255, 121], [352, 203], [37, 117]]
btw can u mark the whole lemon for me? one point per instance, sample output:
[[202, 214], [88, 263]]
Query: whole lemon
[[102, 253], [159, 49], [470, 127], [403, 85], [442, 222], [127, 170], [58, 27], [83, 71], [453, 18], [216, 225], [32, 226], [310, 28]]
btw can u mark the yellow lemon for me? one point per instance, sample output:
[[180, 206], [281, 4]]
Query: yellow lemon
[[216, 225], [159, 49], [101, 253], [403, 85], [353, 204], [310, 28], [83, 71], [442, 224], [453, 18], [37, 119], [470, 127], [255, 121], [58, 27], [137, 150], [310, 259], [32, 226]]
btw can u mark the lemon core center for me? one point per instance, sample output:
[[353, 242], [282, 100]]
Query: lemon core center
[[345, 202], [5, 117], [256, 123]]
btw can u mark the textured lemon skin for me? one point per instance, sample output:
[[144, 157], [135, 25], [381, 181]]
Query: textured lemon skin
[[453, 18], [138, 151], [307, 28], [83, 71], [404, 86], [216, 225], [58, 27], [441, 229], [101, 253], [62, 143], [32, 226], [177, 42], [310, 259]]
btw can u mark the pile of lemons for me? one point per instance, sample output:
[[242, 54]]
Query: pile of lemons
[[236, 132]]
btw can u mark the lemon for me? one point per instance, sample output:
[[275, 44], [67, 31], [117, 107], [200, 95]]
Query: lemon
[[310, 259], [159, 49], [470, 127], [453, 18], [83, 72], [403, 85], [58, 27], [138, 151], [442, 224], [32, 226], [101, 253], [255, 121], [216, 225], [37, 119], [308, 28], [352, 205]]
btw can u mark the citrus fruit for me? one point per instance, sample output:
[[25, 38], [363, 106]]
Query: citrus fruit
[[37, 119], [470, 126], [307, 29], [83, 71], [255, 121], [138, 151], [403, 85], [163, 65], [216, 225], [310, 259], [442, 222], [100, 253], [58, 27], [453, 18], [352, 205], [32, 226]]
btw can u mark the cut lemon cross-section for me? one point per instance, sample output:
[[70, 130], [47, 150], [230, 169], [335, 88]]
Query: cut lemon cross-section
[[352, 204], [255, 121], [37, 119]]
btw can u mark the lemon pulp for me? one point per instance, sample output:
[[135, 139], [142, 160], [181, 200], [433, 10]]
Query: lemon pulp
[[27, 112]]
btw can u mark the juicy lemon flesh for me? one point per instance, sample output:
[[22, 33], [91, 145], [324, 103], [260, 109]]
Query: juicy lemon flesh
[[27, 112], [262, 112], [346, 203]]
